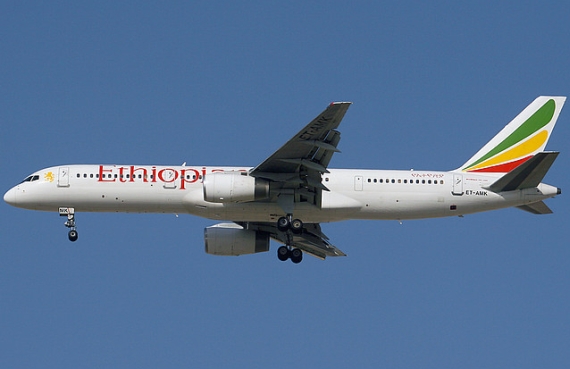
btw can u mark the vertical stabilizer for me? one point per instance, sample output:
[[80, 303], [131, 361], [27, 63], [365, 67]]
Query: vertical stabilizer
[[520, 140]]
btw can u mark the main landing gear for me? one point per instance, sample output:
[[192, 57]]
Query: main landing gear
[[286, 224], [286, 252], [70, 223]]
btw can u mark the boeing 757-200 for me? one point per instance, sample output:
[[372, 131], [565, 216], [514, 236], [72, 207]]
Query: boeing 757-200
[[289, 195]]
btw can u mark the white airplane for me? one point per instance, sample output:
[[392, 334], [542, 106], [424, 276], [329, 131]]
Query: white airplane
[[287, 196]]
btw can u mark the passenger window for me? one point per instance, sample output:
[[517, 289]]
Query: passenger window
[[78, 175], [84, 175], [375, 180]]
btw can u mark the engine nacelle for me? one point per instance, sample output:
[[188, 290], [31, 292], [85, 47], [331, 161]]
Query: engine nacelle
[[223, 187], [232, 240]]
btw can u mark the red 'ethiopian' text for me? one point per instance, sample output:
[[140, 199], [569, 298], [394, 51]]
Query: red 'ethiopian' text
[[181, 175]]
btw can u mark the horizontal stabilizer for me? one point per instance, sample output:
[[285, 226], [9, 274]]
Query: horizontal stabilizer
[[536, 208], [527, 175]]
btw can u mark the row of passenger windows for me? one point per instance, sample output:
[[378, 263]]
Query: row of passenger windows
[[411, 181], [140, 176]]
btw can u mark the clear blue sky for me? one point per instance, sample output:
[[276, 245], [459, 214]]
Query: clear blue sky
[[227, 83]]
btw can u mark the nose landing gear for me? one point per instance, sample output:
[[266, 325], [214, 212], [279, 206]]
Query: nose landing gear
[[70, 223]]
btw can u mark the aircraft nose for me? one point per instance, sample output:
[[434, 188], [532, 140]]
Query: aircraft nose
[[10, 196]]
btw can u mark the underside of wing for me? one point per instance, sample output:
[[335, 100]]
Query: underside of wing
[[295, 169], [312, 240]]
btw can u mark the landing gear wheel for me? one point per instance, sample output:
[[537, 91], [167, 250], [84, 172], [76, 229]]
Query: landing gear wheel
[[72, 235], [296, 226], [296, 256], [70, 223], [283, 253], [283, 224]]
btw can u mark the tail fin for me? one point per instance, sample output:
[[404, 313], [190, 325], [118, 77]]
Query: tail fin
[[520, 140]]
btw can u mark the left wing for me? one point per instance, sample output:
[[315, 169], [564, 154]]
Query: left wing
[[295, 172], [312, 241], [296, 168]]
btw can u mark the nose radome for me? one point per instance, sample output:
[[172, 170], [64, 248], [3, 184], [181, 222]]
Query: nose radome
[[10, 196]]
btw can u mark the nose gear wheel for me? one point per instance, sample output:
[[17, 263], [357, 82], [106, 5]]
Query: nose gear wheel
[[70, 223]]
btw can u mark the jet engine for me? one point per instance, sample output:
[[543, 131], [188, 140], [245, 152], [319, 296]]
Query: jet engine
[[223, 187], [230, 239]]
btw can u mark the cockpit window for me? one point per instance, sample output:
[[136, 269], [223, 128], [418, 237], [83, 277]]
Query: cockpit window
[[31, 178]]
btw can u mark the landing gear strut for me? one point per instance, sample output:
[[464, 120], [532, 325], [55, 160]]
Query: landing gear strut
[[286, 224], [70, 223]]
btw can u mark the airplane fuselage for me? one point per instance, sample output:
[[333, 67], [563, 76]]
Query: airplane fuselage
[[288, 195], [354, 193]]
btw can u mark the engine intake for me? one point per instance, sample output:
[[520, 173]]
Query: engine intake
[[229, 239], [224, 187]]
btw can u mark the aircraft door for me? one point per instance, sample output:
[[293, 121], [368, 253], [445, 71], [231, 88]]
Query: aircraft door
[[457, 184], [358, 183], [63, 177]]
